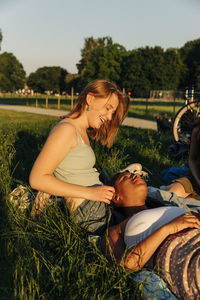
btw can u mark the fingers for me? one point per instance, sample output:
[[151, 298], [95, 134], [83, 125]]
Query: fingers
[[110, 188], [109, 192], [106, 201], [191, 220], [102, 193]]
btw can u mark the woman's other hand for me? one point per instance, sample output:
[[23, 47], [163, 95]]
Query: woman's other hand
[[185, 221], [103, 193]]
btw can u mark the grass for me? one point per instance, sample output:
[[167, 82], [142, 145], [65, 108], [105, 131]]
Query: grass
[[65, 103], [50, 257], [138, 108], [148, 110]]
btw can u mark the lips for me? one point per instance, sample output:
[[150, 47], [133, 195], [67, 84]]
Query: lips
[[102, 120]]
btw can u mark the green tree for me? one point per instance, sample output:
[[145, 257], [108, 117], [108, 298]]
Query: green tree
[[12, 74], [104, 62], [48, 79], [190, 54], [90, 44], [174, 69], [197, 78], [73, 80], [146, 69], [1, 37]]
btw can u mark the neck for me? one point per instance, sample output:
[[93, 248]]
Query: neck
[[131, 210], [80, 122]]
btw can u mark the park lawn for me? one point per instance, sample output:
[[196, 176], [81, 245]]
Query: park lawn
[[138, 108], [65, 103], [50, 257], [148, 111]]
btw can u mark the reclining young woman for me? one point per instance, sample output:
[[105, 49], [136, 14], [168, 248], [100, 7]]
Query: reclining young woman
[[65, 165], [136, 242]]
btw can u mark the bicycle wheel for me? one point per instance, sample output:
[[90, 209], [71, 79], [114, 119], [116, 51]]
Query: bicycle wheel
[[183, 122]]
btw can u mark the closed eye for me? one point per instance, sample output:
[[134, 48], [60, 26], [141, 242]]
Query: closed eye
[[124, 177]]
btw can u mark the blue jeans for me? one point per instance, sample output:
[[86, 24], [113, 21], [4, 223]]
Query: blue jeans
[[153, 286], [95, 216]]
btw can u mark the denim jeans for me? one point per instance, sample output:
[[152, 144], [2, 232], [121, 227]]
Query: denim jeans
[[96, 216], [154, 287]]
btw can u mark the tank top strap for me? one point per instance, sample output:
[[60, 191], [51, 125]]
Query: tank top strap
[[79, 137]]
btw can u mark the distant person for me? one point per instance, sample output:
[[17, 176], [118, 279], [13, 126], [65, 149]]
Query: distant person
[[65, 165]]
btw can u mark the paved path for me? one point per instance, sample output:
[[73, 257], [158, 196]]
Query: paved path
[[134, 122]]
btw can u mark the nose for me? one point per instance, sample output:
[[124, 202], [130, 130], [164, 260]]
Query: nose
[[136, 175]]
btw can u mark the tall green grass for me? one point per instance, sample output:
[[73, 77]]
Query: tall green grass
[[50, 257]]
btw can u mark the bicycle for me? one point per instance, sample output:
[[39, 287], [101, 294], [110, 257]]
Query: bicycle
[[185, 117]]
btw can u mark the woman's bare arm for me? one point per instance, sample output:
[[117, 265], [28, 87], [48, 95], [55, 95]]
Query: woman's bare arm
[[136, 257], [61, 140]]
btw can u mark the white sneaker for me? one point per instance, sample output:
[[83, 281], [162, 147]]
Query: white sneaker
[[133, 168]]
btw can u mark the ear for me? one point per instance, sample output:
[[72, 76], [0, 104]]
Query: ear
[[116, 198], [89, 99]]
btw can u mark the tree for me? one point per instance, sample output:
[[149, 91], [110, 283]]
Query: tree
[[12, 74], [1, 37], [48, 79], [146, 69], [174, 69], [105, 62], [73, 80], [89, 45], [190, 54]]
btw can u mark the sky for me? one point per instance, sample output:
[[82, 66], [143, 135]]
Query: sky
[[52, 32]]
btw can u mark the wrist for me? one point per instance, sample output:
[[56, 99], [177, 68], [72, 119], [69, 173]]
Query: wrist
[[86, 192], [166, 230]]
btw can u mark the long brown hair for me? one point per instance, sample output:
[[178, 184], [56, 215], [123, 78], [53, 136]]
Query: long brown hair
[[103, 89]]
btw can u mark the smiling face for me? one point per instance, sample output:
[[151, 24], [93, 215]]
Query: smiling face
[[130, 190], [101, 109]]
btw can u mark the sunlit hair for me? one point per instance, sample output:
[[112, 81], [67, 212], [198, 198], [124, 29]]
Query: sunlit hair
[[103, 89]]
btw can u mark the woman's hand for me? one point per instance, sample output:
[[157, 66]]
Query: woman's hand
[[103, 193], [40, 202], [186, 221]]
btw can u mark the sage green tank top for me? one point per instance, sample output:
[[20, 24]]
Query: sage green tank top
[[78, 165]]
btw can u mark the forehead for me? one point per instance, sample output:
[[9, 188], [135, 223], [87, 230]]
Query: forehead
[[119, 178], [113, 101]]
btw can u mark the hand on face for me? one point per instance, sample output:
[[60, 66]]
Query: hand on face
[[130, 190]]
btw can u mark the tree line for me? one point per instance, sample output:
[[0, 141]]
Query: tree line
[[138, 71]]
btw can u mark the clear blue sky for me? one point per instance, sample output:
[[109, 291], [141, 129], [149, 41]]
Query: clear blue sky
[[51, 32]]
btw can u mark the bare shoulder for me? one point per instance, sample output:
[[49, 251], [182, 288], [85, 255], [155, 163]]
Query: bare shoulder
[[64, 131]]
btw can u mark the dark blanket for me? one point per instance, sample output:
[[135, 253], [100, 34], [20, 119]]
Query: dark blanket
[[178, 262]]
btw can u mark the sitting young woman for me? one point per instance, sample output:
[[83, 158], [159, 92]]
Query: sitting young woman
[[135, 242], [65, 165]]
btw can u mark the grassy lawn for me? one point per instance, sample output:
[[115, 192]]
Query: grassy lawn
[[50, 257], [138, 108], [148, 110], [65, 103]]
